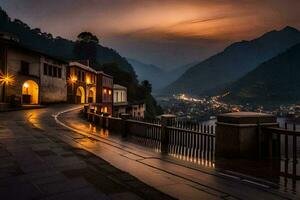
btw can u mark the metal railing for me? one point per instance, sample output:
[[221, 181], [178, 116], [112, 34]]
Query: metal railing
[[188, 140], [192, 140], [288, 150]]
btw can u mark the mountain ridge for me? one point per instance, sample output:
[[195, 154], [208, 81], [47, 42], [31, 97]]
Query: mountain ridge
[[233, 62], [157, 76], [274, 82]]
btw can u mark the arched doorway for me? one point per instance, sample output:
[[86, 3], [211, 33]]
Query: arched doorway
[[80, 97], [92, 95], [30, 92]]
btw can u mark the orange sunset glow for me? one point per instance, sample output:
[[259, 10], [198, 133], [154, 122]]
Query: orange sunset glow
[[155, 30]]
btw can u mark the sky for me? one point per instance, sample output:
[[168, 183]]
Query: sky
[[167, 33]]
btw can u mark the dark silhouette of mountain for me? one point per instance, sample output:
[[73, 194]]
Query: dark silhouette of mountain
[[158, 77], [274, 82], [178, 71], [58, 47], [149, 72], [235, 61]]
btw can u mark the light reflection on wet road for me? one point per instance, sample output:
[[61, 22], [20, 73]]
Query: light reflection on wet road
[[172, 176]]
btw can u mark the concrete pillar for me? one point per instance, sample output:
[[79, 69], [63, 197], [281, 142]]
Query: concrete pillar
[[166, 120], [124, 128], [239, 135]]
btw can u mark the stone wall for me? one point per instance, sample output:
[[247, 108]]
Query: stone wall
[[53, 89], [14, 58]]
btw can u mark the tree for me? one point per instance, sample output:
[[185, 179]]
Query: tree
[[86, 47], [147, 86], [87, 37], [37, 31], [3, 15]]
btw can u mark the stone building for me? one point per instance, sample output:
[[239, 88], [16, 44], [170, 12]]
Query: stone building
[[86, 85], [104, 100], [120, 100], [121, 105], [30, 77], [137, 109], [81, 83]]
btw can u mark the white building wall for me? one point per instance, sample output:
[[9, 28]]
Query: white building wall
[[53, 89], [120, 96], [14, 58]]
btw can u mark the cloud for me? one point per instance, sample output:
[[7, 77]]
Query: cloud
[[172, 25]]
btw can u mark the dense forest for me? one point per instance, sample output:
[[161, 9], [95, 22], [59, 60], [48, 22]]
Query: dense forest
[[87, 46]]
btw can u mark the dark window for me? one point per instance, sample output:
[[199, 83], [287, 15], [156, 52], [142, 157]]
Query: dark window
[[24, 67], [83, 76], [50, 70], [59, 72], [45, 69], [79, 75], [55, 71]]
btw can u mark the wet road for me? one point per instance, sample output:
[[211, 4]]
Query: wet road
[[36, 164], [170, 177]]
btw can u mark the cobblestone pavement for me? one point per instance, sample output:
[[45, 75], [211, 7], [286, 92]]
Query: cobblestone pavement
[[34, 164]]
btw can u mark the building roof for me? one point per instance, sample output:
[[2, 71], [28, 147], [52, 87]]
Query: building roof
[[82, 66], [134, 103], [87, 68], [119, 87], [17, 45]]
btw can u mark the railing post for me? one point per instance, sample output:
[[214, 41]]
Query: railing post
[[124, 128], [166, 120], [239, 135]]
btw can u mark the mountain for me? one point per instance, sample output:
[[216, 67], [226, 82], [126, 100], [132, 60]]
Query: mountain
[[274, 82], [178, 71], [235, 61], [149, 72], [157, 76], [58, 47]]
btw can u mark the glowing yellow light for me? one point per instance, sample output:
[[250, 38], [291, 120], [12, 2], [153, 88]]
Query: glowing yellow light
[[6, 79], [72, 79], [104, 91], [88, 81], [109, 92], [26, 85]]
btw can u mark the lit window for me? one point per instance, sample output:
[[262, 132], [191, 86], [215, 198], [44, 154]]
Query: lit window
[[109, 92], [104, 91], [88, 81]]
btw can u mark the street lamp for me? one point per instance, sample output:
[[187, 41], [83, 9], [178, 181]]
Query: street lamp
[[5, 79]]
